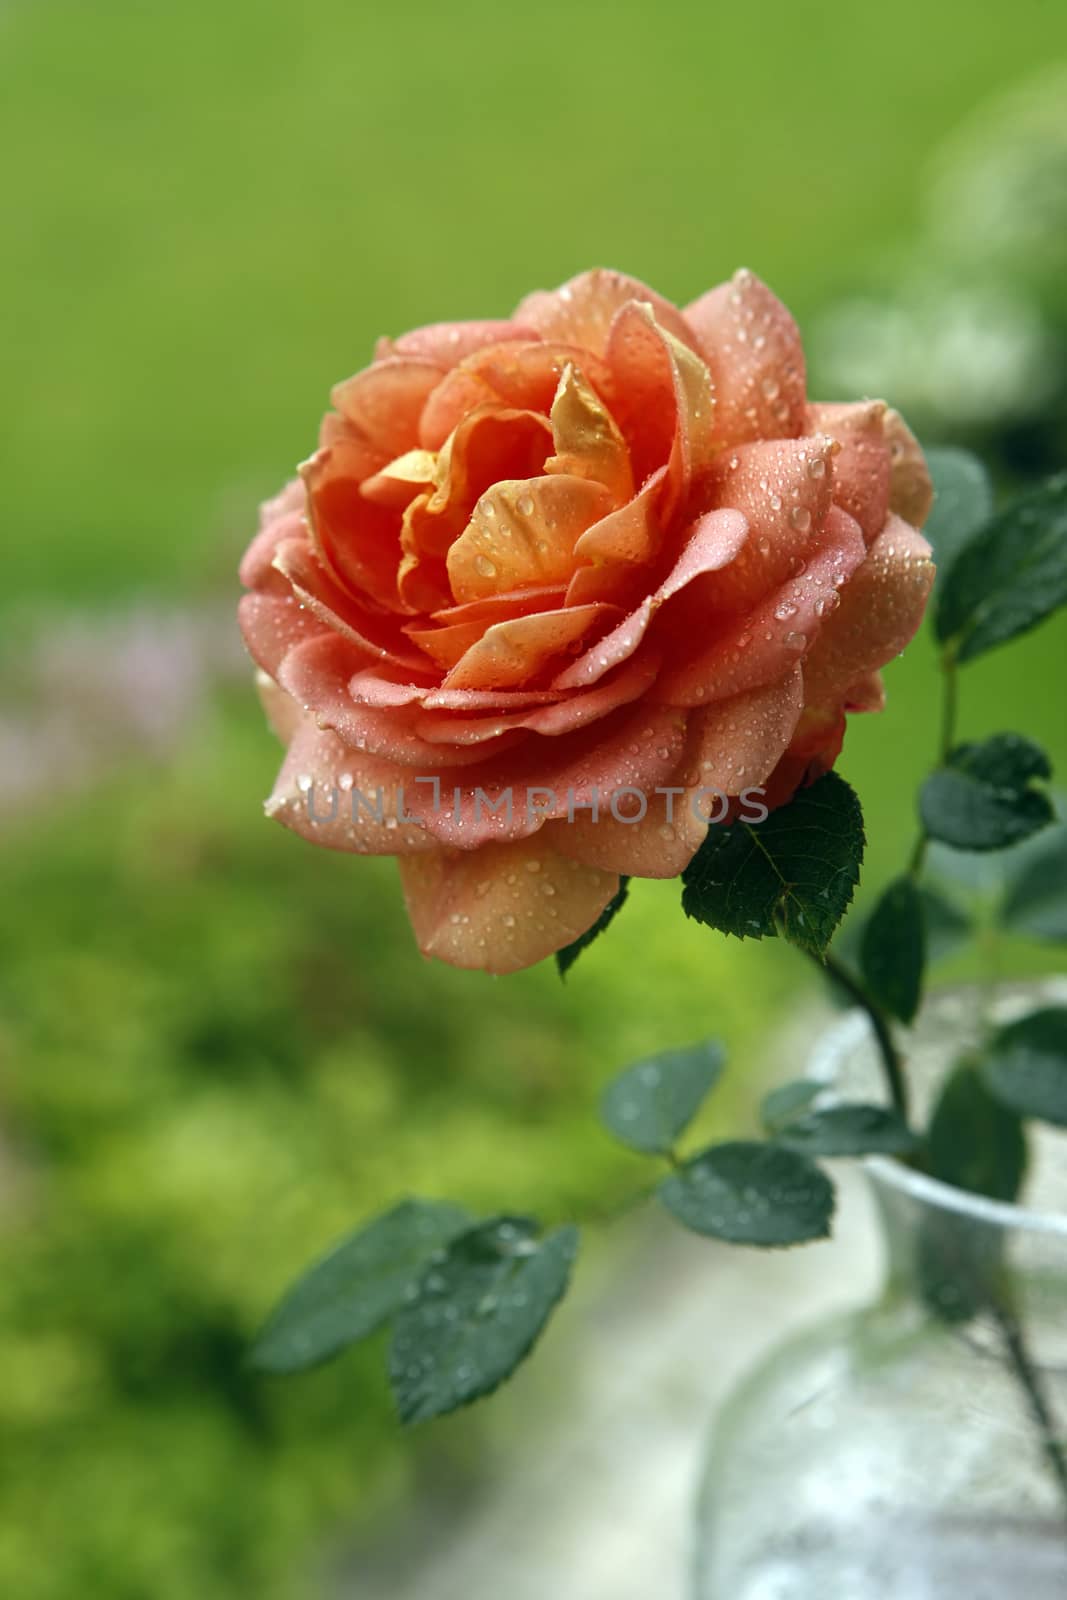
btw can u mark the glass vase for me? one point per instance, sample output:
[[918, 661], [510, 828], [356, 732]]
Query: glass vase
[[907, 1451]]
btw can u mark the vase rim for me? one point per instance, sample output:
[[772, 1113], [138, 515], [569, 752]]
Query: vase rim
[[847, 1033]]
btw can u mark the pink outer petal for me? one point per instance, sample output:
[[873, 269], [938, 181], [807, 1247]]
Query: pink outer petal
[[866, 694], [752, 346], [714, 541], [317, 674], [284, 517], [503, 907], [772, 638], [548, 778], [317, 592], [659, 844], [509, 654], [565, 714], [272, 625], [448, 343], [343, 799], [581, 311], [783, 487], [281, 710], [737, 743], [861, 467], [665, 404], [911, 491], [385, 401], [371, 688], [880, 611]]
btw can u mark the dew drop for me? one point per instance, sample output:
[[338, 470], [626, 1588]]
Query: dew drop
[[800, 517], [484, 566]]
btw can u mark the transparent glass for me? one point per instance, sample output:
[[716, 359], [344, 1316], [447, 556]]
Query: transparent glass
[[900, 1452]]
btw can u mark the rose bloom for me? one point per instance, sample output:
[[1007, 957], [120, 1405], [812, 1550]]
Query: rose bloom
[[563, 564]]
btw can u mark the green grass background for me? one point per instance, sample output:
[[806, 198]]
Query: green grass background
[[217, 1046]]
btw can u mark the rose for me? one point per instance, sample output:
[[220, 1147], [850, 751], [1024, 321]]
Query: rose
[[606, 546]]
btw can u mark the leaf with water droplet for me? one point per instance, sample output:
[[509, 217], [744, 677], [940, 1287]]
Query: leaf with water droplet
[[477, 1315], [751, 1193], [794, 873], [566, 957], [357, 1287], [648, 1105]]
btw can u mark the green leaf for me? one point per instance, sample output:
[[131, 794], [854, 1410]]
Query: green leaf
[[893, 950], [975, 1142], [751, 1193], [963, 503], [947, 926], [479, 1310], [1025, 1066], [786, 1102], [983, 799], [1010, 575], [853, 1130], [357, 1287], [795, 873], [650, 1104], [566, 957], [1035, 903]]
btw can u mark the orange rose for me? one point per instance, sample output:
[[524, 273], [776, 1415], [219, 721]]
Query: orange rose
[[548, 587]]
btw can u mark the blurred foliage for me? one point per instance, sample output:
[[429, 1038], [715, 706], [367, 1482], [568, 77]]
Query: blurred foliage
[[217, 1047]]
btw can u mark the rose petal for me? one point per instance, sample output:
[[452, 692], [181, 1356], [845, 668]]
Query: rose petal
[[783, 487], [385, 401], [772, 638], [861, 466], [370, 687], [555, 715], [317, 674], [911, 491], [587, 441], [271, 626], [502, 908], [658, 844], [752, 346], [491, 444], [541, 779], [881, 609], [736, 743], [401, 479], [582, 311], [523, 533], [343, 799], [448, 343], [284, 517], [520, 376], [665, 402], [353, 538], [511, 653], [316, 590], [713, 542], [280, 709]]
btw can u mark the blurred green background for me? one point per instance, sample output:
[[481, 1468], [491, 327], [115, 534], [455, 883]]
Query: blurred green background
[[218, 1047]]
